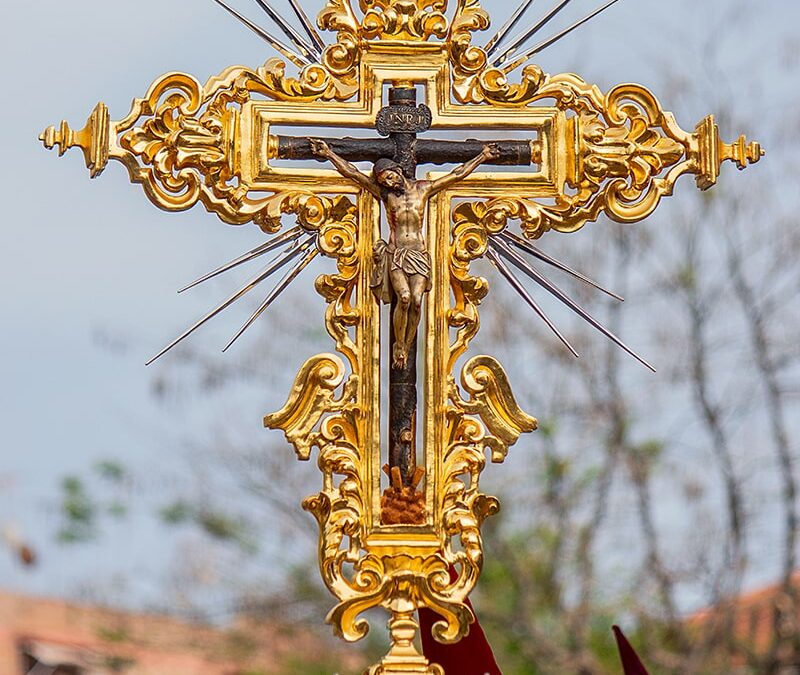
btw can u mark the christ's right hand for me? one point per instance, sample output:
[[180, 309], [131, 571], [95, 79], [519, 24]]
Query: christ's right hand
[[491, 152], [320, 148]]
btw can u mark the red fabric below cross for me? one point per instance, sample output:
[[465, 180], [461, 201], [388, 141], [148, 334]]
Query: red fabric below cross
[[473, 654], [631, 664]]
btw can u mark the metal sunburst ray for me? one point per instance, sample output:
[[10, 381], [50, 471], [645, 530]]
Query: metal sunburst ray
[[308, 25], [297, 249], [287, 237], [519, 262], [527, 55], [494, 42], [530, 249], [280, 287], [299, 60], [307, 49], [529, 32], [516, 284]]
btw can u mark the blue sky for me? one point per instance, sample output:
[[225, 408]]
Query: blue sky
[[89, 268]]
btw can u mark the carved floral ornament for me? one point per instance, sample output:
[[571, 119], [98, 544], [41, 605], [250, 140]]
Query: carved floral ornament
[[616, 154]]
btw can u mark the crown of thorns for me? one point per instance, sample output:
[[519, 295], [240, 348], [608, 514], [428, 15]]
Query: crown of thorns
[[383, 165]]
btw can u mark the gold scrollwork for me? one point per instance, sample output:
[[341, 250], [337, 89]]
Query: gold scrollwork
[[343, 57], [404, 19], [179, 142], [312, 396], [324, 411], [624, 154], [472, 80], [491, 398], [469, 242], [487, 419]]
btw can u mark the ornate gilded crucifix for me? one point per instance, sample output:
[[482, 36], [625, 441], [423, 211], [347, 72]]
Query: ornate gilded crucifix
[[580, 153]]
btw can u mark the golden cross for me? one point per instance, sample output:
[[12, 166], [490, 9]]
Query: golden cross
[[592, 153]]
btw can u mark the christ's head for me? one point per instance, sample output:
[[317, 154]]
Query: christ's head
[[388, 174]]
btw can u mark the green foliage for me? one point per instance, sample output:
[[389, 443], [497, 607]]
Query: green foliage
[[86, 500], [216, 524], [521, 597], [116, 634], [526, 597], [117, 510], [111, 471], [547, 428], [601, 641], [556, 470], [313, 666], [119, 664], [686, 277], [78, 511], [240, 644], [176, 513], [221, 526], [651, 450]]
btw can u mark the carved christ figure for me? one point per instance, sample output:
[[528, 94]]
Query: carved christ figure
[[403, 264]]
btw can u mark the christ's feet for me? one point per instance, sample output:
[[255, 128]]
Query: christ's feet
[[399, 356]]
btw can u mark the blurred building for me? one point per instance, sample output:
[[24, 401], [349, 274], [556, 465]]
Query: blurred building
[[760, 622], [53, 637]]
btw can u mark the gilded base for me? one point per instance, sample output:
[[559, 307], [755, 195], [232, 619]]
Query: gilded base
[[403, 658]]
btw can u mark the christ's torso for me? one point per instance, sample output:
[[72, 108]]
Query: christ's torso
[[405, 212]]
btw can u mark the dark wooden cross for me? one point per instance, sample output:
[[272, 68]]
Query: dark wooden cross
[[399, 123]]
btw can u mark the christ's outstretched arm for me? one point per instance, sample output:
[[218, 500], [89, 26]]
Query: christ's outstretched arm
[[348, 170], [490, 151]]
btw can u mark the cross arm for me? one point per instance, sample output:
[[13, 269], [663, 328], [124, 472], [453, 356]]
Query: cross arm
[[428, 151], [616, 154]]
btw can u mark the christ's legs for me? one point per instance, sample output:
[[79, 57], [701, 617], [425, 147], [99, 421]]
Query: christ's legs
[[401, 315], [418, 284]]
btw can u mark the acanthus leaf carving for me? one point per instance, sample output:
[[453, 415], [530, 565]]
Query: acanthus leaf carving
[[343, 57], [179, 140], [404, 19], [627, 155]]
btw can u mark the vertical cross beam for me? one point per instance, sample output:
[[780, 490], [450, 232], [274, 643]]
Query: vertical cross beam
[[398, 120]]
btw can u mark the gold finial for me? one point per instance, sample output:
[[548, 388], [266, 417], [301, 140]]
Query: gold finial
[[64, 138], [741, 152], [93, 139], [712, 152]]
